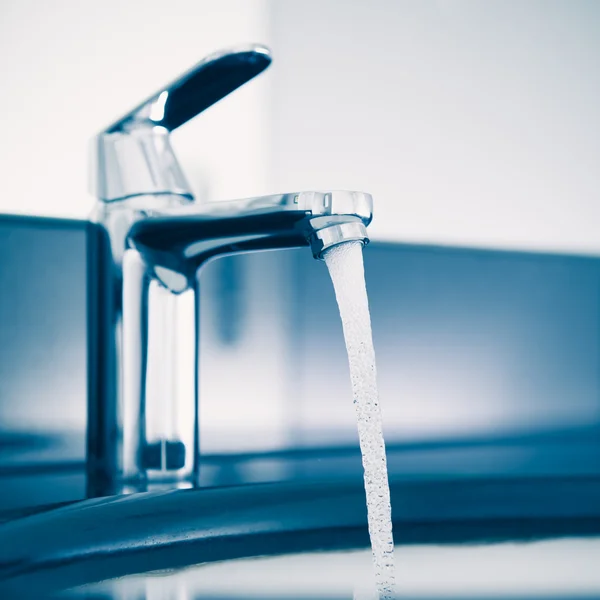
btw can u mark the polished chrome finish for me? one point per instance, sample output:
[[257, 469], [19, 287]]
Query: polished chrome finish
[[133, 155], [207, 82], [148, 244], [324, 239], [176, 242], [136, 162]]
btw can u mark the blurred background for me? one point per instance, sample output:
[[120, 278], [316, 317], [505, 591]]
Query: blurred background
[[475, 126]]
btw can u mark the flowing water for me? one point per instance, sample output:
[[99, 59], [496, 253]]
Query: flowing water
[[345, 264]]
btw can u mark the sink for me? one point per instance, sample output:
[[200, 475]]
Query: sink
[[185, 532], [523, 570]]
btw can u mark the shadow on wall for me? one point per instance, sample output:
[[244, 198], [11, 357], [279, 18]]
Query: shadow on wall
[[468, 342], [42, 327], [472, 345]]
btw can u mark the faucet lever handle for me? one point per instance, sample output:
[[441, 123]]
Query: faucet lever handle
[[133, 156], [213, 78]]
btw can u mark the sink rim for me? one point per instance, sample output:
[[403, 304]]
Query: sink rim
[[114, 536]]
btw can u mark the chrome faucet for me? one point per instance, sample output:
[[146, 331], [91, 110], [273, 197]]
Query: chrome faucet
[[148, 241]]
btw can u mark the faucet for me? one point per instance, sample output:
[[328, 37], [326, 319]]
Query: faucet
[[147, 242]]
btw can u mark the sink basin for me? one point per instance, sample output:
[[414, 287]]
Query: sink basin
[[189, 533], [565, 568]]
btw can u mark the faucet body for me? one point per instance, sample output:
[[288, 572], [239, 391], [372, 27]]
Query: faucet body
[[147, 244]]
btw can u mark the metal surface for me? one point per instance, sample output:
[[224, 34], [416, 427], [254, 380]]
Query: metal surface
[[145, 249], [178, 241], [333, 235], [133, 155]]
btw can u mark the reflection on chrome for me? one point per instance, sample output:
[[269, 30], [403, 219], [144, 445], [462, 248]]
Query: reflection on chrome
[[147, 244]]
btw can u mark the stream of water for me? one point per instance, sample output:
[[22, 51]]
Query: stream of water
[[346, 268]]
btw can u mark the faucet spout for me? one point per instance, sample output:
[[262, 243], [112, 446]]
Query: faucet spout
[[177, 242]]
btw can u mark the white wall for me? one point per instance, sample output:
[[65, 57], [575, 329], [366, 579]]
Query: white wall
[[470, 122], [69, 68]]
